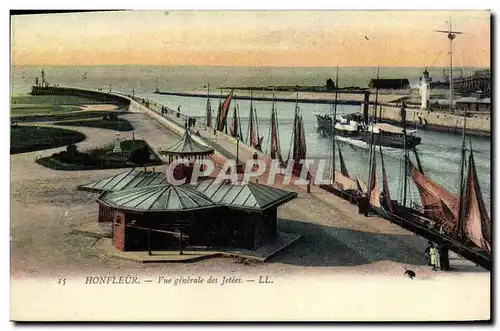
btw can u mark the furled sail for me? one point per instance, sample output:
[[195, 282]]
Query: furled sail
[[223, 110], [343, 168], [255, 140], [361, 186], [209, 113], [476, 223], [385, 186], [439, 204], [374, 195], [275, 145], [234, 126], [299, 145]]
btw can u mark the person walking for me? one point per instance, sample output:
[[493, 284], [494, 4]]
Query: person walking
[[427, 253], [438, 258]]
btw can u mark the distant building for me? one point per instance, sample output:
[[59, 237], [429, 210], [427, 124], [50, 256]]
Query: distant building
[[389, 84], [472, 104]]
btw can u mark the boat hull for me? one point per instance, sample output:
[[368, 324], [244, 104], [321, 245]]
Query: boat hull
[[385, 139], [418, 223], [389, 140]]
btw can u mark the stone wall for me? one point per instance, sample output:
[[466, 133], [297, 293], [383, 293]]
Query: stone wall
[[440, 121], [91, 94]]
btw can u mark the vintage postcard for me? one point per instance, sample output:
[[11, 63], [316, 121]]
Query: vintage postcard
[[194, 165]]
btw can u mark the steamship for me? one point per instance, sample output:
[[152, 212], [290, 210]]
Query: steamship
[[353, 127]]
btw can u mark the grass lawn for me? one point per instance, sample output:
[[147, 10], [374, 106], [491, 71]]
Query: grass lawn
[[40, 109], [51, 100], [118, 125], [25, 105], [101, 158], [33, 138]]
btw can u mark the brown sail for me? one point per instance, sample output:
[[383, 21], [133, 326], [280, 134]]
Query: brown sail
[[234, 127], [385, 186], [374, 195], [361, 186], [223, 110], [476, 223], [275, 145], [343, 168], [209, 110], [439, 205], [343, 180]]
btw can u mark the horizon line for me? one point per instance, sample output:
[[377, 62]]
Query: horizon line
[[235, 66]]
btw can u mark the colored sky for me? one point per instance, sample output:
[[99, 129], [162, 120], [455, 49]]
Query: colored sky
[[251, 38]]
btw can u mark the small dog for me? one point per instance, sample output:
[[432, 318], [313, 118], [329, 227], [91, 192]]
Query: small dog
[[410, 273]]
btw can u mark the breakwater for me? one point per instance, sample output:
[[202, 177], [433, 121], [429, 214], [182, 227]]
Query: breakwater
[[270, 98], [103, 97], [476, 125]]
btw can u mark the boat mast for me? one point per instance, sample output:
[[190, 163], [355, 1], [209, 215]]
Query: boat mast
[[333, 125], [376, 94], [250, 119], [462, 184], [240, 133], [294, 134], [405, 149], [219, 113], [370, 165], [270, 132], [451, 36], [209, 108]]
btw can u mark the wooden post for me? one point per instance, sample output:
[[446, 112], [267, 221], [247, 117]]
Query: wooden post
[[149, 239], [180, 243], [444, 257]]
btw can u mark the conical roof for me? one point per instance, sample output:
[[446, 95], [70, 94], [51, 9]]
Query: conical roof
[[248, 195], [187, 146], [126, 180], [158, 198]]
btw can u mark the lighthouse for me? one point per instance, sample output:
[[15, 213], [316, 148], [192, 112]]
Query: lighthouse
[[425, 89]]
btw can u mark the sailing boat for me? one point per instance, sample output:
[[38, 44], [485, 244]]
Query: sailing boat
[[275, 143], [461, 218], [235, 128], [353, 128], [254, 138], [223, 110], [341, 181], [342, 184], [299, 150]]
